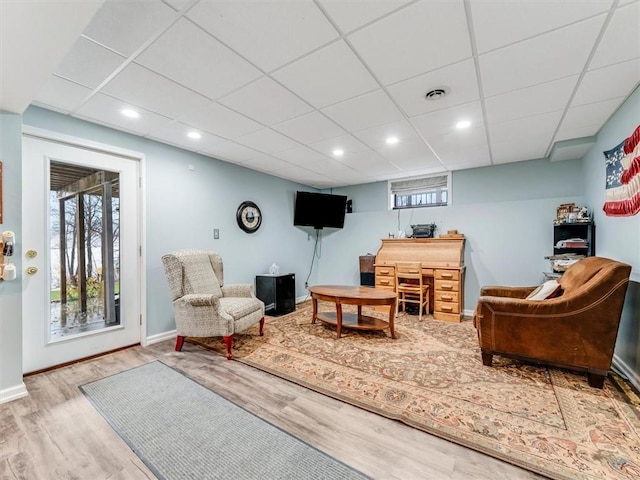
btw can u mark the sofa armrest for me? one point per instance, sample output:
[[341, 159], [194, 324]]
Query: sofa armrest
[[237, 290], [199, 300], [509, 292]]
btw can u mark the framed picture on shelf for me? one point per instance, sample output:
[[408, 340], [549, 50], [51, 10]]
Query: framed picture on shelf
[[563, 212]]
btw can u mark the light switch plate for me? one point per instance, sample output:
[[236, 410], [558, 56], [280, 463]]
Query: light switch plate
[[216, 234]]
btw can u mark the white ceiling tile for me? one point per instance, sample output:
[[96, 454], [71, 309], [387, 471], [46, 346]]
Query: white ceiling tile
[[347, 143], [621, 41], [188, 55], [334, 169], [62, 94], [369, 163], [586, 120], [125, 26], [542, 98], [267, 141], [351, 15], [230, 152], [409, 155], [518, 130], [178, 4], [266, 101], [468, 146], [142, 87], [520, 19], [300, 156], [221, 121], [305, 177], [365, 111], [554, 55], [88, 63], [106, 110], [415, 172], [417, 39], [533, 147], [310, 128], [459, 82], [175, 133], [608, 82], [327, 76], [266, 163], [269, 34], [376, 136], [464, 165], [444, 121]]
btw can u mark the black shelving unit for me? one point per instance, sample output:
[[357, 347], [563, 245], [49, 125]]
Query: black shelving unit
[[278, 292], [580, 230]]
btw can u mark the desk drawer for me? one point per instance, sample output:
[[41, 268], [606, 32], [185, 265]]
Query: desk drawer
[[447, 275], [385, 271], [446, 285], [446, 307], [446, 297], [385, 282]]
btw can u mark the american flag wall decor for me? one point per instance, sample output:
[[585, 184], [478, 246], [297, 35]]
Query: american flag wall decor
[[622, 195]]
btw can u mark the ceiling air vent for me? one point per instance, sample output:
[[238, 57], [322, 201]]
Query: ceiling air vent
[[435, 94]]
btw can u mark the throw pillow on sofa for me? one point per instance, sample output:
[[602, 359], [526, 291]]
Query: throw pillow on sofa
[[549, 289]]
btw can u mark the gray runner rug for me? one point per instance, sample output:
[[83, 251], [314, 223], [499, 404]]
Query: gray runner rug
[[182, 430]]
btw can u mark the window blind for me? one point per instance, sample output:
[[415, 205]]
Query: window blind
[[418, 185]]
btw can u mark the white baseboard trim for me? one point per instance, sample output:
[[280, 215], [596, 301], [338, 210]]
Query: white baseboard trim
[[13, 393], [161, 337], [303, 298], [468, 313], [625, 371]]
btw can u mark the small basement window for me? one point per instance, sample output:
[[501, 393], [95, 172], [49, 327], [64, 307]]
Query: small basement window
[[420, 192]]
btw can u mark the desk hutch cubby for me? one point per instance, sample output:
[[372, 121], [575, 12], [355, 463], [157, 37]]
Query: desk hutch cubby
[[442, 262]]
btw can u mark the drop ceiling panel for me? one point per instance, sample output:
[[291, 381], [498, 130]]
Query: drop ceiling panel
[[536, 132], [523, 19], [188, 55], [221, 121], [88, 63], [266, 101], [347, 143], [375, 137], [526, 149], [608, 82], [414, 40], [106, 110], [267, 141], [300, 156], [231, 152], [327, 76], [368, 163], [468, 147], [621, 41], [409, 155], [175, 133], [142, 87], [62, 94], [586, 120], [310, 128], [444, 121], [542, 98], [268, 34], [266, 163], [351, 15], [547, 57], [364, 112], [459, 81], [305, 177], [126, 26]]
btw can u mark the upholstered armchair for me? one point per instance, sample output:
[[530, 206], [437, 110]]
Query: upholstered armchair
[[203, 306], [576, 329]]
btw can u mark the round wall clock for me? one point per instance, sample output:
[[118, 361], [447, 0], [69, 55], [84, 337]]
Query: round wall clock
[[249, 217]]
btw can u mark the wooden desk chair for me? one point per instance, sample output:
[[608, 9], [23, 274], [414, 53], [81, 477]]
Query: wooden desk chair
[[410, 286]]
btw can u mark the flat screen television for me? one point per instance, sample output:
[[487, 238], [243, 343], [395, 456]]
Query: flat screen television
[[319, 210]]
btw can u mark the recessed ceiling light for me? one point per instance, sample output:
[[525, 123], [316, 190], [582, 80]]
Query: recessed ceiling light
[[195, 135], [463, 124], [338, 152], [392, 140], [127, 112]]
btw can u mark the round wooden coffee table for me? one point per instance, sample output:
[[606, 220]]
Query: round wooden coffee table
[[350, 295]]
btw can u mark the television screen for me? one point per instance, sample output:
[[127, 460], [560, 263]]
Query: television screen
[[319, 210]]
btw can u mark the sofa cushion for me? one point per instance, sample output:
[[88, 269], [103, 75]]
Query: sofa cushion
[[549, 289], [239, 307]]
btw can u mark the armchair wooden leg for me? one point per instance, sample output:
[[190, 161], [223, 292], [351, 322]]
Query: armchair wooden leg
[[228, 342], [595, 380], [487, 359], [262, 326], [179, 343]]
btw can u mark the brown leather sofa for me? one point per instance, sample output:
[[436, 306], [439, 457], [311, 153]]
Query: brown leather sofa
[[576, 330]]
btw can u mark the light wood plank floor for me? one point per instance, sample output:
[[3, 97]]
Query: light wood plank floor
[[56, 434]]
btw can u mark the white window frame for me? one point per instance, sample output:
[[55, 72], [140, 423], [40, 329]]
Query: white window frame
[[392, 196]]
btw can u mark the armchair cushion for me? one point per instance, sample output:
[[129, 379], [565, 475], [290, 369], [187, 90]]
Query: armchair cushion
[[239, 307]]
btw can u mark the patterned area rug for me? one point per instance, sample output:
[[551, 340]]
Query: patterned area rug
[[431, 377]]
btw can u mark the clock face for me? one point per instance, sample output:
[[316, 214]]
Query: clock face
[[249, 217]]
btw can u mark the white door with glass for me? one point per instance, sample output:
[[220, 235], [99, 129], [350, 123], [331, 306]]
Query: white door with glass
[[81, 239]]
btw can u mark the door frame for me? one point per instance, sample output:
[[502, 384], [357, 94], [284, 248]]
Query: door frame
[[76, 142]]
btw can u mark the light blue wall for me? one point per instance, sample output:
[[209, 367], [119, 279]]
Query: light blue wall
[[183, 207], [506, 213], [11, 292], [618, 237]]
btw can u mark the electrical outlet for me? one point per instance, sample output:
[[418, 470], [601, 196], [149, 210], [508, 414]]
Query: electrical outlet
[[216, 234], [306, 284]]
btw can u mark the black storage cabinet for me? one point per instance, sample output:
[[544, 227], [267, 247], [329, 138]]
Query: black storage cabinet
[[278, 292]]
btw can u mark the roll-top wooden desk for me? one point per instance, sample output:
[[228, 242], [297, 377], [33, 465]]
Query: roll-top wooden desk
[[442, 262]]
